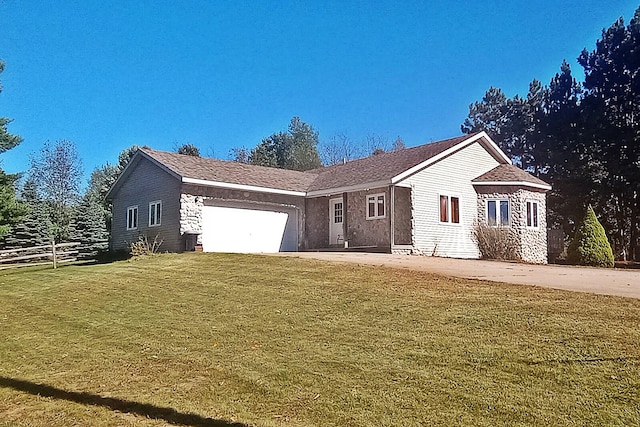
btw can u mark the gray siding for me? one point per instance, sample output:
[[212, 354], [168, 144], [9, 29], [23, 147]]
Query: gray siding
[[147, 183]]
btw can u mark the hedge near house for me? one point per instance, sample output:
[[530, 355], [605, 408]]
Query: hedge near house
[[590, 245]]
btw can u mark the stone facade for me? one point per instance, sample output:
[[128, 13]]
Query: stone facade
[[191, 215], [362, 231], [402, 216], [317, 223], [531, 241]]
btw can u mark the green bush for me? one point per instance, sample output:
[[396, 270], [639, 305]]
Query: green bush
[[590, 245]]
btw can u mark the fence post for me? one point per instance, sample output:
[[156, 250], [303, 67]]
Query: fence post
[[53, 250]]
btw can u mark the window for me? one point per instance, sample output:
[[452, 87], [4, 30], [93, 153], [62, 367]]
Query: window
[[375, 206], [155, 213], [450, 209], [498, 213], [337, 213], [132, 217], [532, 214]]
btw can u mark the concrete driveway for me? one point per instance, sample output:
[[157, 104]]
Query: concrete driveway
[[625, 283]]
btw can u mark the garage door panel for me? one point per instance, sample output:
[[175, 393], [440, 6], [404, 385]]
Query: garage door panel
[[226, 229]]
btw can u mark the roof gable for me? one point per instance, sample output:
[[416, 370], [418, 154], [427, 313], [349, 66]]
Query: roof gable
[[394, 166]]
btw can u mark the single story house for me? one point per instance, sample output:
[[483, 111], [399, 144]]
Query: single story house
[[424, 199]]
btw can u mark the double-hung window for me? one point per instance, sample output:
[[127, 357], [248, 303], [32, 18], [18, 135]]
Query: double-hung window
[[132, 217], [376, 206], [450, 209], [532, 214], [155, 213], [498, 213]]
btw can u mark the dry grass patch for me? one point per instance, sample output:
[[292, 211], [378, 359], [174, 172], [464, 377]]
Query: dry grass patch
[[203, 339]]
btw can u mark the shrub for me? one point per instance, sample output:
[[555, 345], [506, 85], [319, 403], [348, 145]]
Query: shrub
[[590, 245], [143, 247], [496, 242]]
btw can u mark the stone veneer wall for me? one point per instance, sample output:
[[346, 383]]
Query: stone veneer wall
[[191, 214], [362, 231], [317, 222], [532, 241], [403, 216]]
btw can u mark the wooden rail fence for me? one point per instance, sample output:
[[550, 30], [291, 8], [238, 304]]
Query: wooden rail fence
[[51, 254]]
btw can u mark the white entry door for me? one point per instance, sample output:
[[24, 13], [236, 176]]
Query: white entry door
[[336, 221]]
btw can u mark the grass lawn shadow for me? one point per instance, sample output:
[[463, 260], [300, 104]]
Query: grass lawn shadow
[[169, 415]]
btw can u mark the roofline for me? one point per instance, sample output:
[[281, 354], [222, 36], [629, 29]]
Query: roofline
[[243, 187], [348, 188], [450, 151], [515, 183]]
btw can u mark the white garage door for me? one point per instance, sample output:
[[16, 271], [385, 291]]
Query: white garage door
[[248, 230]]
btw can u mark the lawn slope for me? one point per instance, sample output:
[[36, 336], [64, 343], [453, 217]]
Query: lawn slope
[[214, 339]]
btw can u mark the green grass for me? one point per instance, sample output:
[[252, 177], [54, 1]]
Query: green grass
[[206, 340]]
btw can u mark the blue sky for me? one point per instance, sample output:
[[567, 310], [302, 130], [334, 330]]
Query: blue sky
[[107, 75]]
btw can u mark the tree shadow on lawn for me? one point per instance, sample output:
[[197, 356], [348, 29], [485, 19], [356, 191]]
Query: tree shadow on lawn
[[169, 415]]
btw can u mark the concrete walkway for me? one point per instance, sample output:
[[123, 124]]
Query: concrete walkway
[[625, 283]]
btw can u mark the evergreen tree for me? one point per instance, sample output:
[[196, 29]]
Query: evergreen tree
[[7, 140], [611, 106], [11, 210], [295, 149], [590, 245], [188, 150], [34, 229], [90, 228]]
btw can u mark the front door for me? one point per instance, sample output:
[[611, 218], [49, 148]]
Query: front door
[[336, 220]]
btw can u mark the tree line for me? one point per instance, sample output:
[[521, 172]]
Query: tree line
[[581, 137]]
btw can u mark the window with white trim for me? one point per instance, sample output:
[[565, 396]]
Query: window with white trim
[[132, 217], [376, 206], [155, 213], [498, 213], [532, 214], [450, 209]]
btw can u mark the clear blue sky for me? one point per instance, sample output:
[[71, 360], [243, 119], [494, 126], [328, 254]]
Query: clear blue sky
[[107, 75]]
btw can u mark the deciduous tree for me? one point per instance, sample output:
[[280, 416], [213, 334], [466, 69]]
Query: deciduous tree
[[57, 170]]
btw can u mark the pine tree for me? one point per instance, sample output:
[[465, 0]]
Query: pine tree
[[90, 229], [34, 229]]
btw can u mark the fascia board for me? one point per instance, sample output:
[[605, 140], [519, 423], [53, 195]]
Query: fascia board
[[349, 188], [242, 187], [514, 183], [495, 147]]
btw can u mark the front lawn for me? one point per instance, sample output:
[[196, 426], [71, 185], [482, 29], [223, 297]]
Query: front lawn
[[213, 340]]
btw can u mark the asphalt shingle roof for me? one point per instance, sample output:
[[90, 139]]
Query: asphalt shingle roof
[[232, 172], [376, 168], [508, 173]]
